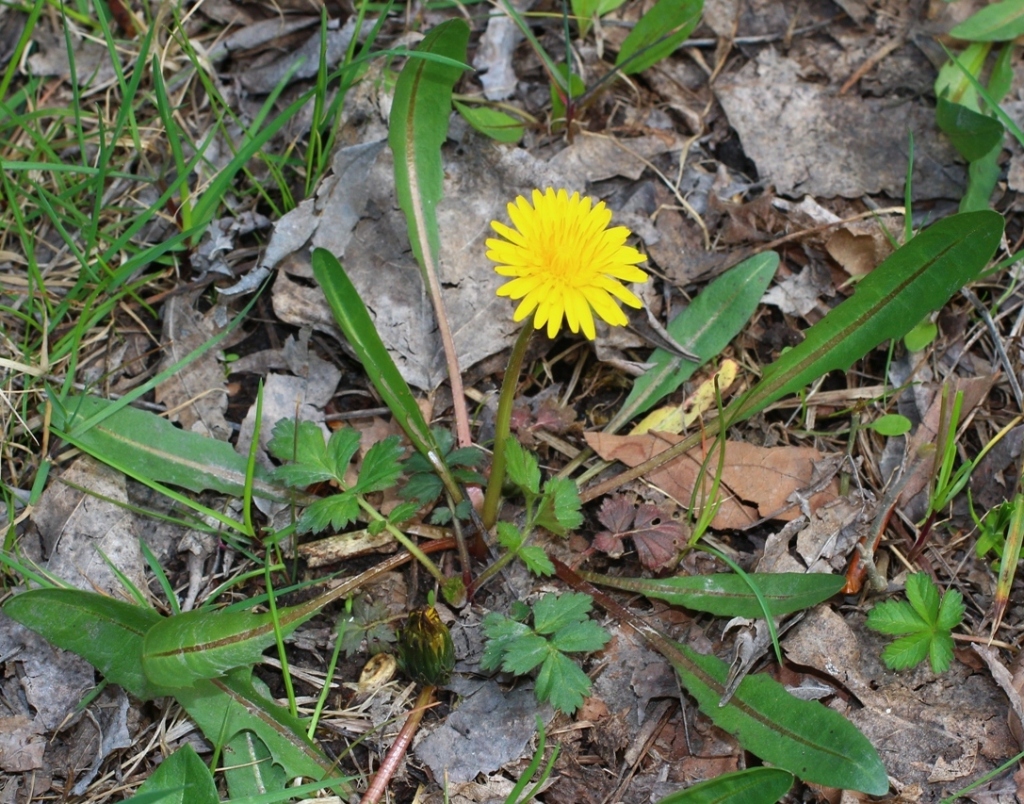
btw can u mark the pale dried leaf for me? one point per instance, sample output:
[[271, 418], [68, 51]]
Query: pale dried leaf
[[756, 481]]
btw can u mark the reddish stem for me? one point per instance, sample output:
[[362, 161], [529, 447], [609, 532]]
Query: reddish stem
[[398, 748]]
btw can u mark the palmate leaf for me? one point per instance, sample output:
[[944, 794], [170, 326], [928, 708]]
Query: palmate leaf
[[924, 620]]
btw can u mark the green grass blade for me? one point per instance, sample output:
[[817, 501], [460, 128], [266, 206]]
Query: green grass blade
[[659, 32]]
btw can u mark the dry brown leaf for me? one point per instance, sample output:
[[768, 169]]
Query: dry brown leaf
[[858, 247], [756, 481], [656, 535], [197, 392], [975, 391], [22, 744]]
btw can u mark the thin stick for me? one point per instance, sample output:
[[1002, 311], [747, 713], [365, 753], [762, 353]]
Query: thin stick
[[399, 748]]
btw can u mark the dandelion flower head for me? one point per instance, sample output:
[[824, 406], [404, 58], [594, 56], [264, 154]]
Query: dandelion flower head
[[565, 261]]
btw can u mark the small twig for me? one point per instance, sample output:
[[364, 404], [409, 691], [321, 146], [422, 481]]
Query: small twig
[[870, 63], [399, 748]]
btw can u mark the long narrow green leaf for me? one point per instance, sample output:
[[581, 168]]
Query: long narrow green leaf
[[998, 22], [727, 595], [354, 321], [750, 786], [206, 644], [144, 445], [418, 128], [659, 32], [182, 778], [705, 328], [915, 280], [803, 737], [109, 634]]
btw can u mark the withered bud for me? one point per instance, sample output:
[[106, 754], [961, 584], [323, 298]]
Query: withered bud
[[425, 651]]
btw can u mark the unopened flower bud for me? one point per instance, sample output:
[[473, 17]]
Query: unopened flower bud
[[425, 650]]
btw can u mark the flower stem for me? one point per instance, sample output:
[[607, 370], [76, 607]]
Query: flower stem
[[502, 425], [398, 749]]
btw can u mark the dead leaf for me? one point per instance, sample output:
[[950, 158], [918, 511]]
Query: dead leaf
[[495, 54], [798, 132], [303, 62], [84, 535], [197, 392], [756, 481], [22, 744], [597, 158], [858, 248], [489, 729], [801, 294]]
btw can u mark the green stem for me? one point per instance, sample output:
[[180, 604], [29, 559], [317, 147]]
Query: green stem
[[502, 424], [406, 542], [505, 558]]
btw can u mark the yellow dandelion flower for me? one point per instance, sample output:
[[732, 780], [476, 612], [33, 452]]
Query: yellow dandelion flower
[[565, 261]]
